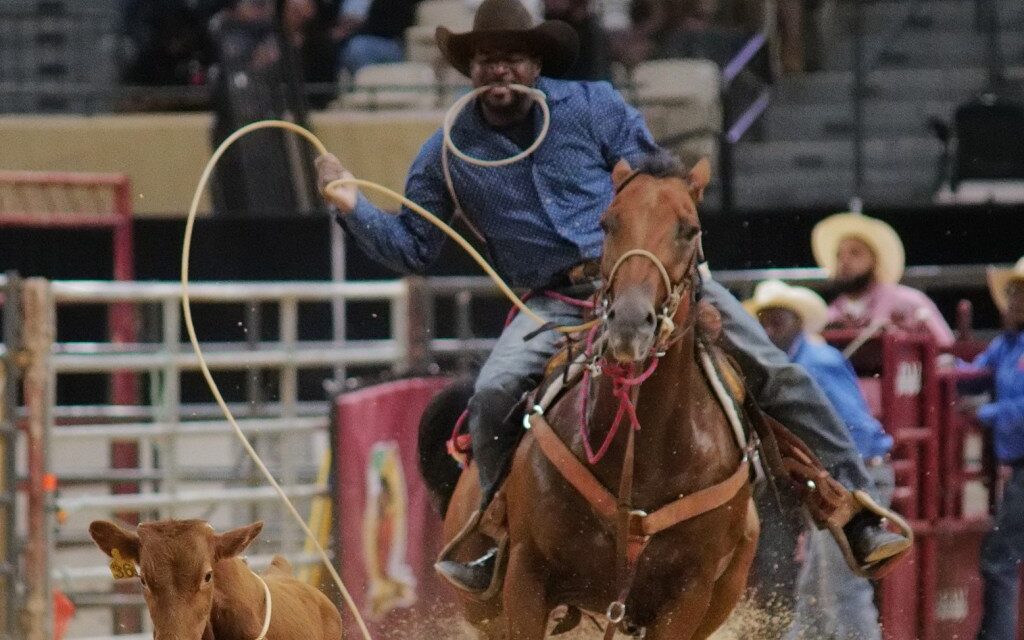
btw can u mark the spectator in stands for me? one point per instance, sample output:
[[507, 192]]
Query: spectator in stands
[[594, 61], [163, 44], [864, 260], [832, 602], [1003, 550], [377, 34], [541, 223], [252, 81]]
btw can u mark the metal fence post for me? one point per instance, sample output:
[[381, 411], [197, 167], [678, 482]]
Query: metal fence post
[[416, 328], [859, 94], [38, 335], [9, 378]]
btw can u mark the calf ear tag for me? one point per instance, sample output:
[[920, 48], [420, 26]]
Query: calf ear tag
[[120, 567]]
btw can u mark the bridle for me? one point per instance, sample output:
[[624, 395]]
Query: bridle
[[689, 284]]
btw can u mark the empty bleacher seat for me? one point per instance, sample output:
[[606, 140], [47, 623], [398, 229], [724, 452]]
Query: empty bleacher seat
[[679, 97], [430, 14], [399, 85]]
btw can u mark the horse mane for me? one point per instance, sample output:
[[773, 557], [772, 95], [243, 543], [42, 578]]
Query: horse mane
[[661, 164]]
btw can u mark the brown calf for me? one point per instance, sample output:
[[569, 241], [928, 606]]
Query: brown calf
[[197, 588]]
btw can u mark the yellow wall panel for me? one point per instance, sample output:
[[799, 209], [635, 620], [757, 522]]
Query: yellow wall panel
[[164, 154]]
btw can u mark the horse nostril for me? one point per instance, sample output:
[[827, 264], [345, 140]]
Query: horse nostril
[[611, 314], [649, 319]]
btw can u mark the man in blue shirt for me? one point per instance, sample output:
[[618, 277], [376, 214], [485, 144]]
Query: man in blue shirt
[[540, 218], [1003, 550], [831, 601]]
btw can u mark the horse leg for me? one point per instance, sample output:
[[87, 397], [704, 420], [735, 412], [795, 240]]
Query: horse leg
[[729, 588], [526, 605], [679, 617]]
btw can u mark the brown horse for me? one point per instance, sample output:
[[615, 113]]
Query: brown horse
[[679, 572], [198, 588]]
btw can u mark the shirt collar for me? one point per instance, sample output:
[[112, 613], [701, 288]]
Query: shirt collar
[[797, 345], [555, 90]]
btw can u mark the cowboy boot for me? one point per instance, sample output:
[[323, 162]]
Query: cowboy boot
[[870, 542], [494, 440]]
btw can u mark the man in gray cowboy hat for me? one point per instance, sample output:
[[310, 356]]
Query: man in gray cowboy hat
[[540, 218]]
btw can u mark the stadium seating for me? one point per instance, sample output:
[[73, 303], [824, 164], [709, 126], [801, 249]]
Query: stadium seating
[[399, 85], [680, 97], [923, 59], [430, 14]]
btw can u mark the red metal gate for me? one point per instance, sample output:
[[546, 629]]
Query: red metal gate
[[946, 479]]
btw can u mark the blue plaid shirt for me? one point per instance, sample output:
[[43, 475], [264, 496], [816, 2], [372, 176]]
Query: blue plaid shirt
[[539, 215], [1005, 414]]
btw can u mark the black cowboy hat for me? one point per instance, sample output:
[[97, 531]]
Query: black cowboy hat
[[507, 24]]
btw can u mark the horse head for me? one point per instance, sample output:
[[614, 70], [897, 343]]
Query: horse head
[[651, 251], [176, 560]]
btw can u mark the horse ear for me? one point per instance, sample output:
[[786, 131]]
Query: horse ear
[[698, 179], [109, 538], [620, 172], [231, 543]]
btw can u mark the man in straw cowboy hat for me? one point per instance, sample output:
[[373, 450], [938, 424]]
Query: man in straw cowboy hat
[[1003, 549], [864, 259], [540, 219], [831, 601]]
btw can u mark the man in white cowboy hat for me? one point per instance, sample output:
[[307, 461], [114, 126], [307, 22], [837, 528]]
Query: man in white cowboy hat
[[831, 602], [540, 219], [864, 259], [1003, 549]]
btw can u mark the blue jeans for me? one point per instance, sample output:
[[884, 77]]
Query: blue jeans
[[514, 367], [833, 602], [1001, 555], [362, 50]]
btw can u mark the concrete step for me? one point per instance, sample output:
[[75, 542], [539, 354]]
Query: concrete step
[[882, 84], [927, 15], [882, 118], [825, 187], [925, 50], [879, 153]]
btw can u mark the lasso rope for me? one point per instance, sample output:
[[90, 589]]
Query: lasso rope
[[190, 327], [331, 187]]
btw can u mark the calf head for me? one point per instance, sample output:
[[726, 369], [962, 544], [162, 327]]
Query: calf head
[[175, 560]]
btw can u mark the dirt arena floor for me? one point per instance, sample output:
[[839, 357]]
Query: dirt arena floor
[[746, 623]]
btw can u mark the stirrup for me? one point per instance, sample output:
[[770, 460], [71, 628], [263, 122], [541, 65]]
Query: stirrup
[[501, 555], [883, 567]]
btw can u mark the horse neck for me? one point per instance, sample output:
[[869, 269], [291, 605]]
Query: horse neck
[[238, 599]]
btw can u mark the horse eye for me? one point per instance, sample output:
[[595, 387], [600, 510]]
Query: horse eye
[[142, 579], [685, 232]]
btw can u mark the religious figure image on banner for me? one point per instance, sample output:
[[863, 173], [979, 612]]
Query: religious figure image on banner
[[391, 581]]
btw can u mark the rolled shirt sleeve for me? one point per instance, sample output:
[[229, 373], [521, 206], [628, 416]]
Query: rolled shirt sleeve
[[405, 242]]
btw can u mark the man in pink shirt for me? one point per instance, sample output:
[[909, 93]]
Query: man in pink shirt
[[864, 259]]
